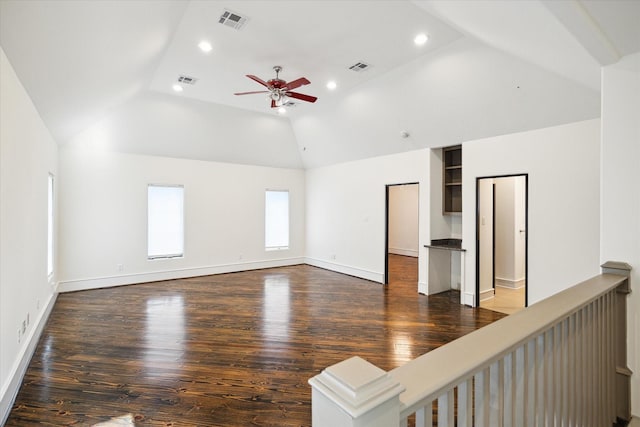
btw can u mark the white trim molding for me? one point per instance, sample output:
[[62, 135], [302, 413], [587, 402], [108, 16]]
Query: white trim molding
[[345, 269], [423, 288], [404, 252], [19, 368], [487, 295], [469, 299], [501, 282], [131, 279]]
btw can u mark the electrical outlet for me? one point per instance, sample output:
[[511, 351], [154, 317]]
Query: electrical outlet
[[120, 267], [333, 256]]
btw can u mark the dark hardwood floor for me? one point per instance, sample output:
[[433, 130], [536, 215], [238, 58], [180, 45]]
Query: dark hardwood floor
[[226, 350]]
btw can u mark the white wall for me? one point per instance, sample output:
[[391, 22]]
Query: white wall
[[345, 212], [403, 219], [564, 203], [620, 226], [470, 90], [153, 123], [505, 220], [486, 238], [510, 242], [103, 211], [27, 155]]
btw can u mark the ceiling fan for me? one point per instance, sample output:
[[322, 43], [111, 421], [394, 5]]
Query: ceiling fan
[[279, 90]]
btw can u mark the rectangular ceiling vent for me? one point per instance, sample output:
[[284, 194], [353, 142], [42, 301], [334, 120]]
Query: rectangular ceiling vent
[[187, 80], [360, 66], [232, 19]]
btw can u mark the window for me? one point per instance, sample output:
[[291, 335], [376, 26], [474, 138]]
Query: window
[[50, 224], [276, 220], [165, 237]]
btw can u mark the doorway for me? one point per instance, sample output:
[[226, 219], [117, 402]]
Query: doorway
[[401, 233], [501, 243]]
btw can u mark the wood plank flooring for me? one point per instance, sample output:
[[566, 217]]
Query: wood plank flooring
[[226, 350]]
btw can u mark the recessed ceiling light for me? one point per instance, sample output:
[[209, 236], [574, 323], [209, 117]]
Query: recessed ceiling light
[[332, 85], [282, 110], [177, 88], [421, 39], [205, 46]]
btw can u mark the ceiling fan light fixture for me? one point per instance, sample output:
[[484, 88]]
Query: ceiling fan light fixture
[[177, 88], [282, 110], [332, 85]]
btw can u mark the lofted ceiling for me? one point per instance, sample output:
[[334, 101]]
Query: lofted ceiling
[[101, 72]]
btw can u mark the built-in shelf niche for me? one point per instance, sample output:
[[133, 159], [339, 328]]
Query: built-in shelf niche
[[452, 180]]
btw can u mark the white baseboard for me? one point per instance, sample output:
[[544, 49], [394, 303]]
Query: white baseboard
[[130, 279], [405, 252], [423, 288], [509, 283], [487, 295], [19, 368], [345, 269], [469, 299]]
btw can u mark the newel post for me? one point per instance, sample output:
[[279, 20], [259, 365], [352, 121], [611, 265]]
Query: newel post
[[355, 393], [623, 373]]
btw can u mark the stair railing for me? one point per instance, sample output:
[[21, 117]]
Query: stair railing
[[559, 362]]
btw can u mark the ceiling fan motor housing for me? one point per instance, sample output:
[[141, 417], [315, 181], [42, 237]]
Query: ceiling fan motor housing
[[277, 83]]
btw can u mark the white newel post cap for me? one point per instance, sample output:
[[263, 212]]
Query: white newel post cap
[[355, 393]]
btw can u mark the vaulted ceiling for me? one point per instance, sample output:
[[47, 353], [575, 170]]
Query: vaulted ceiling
[[101, 72]]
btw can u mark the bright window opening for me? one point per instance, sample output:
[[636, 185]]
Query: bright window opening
[[276, 223], [165, 221]]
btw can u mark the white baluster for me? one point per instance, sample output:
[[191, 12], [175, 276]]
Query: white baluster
[[424, 416], [446, 408], [465, 403]]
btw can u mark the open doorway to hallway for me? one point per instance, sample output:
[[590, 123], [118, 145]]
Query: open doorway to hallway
[[501, 224], [401, 242]]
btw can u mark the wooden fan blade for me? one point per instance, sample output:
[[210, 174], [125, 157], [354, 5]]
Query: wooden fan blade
[[258, 79], [301, 96], [273, 103], [297, 83], [250, 93]]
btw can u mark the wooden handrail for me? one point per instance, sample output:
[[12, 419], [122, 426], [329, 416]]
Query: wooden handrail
[[562, 360], [449, 365]]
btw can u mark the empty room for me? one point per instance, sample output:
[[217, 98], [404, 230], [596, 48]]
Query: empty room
[[283, 213]]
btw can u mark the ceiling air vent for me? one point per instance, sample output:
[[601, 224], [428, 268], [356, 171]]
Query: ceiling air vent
[[232, 19], [187, 80], [360, 66]]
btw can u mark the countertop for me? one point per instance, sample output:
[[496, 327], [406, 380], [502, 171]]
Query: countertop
[[446, 244]]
